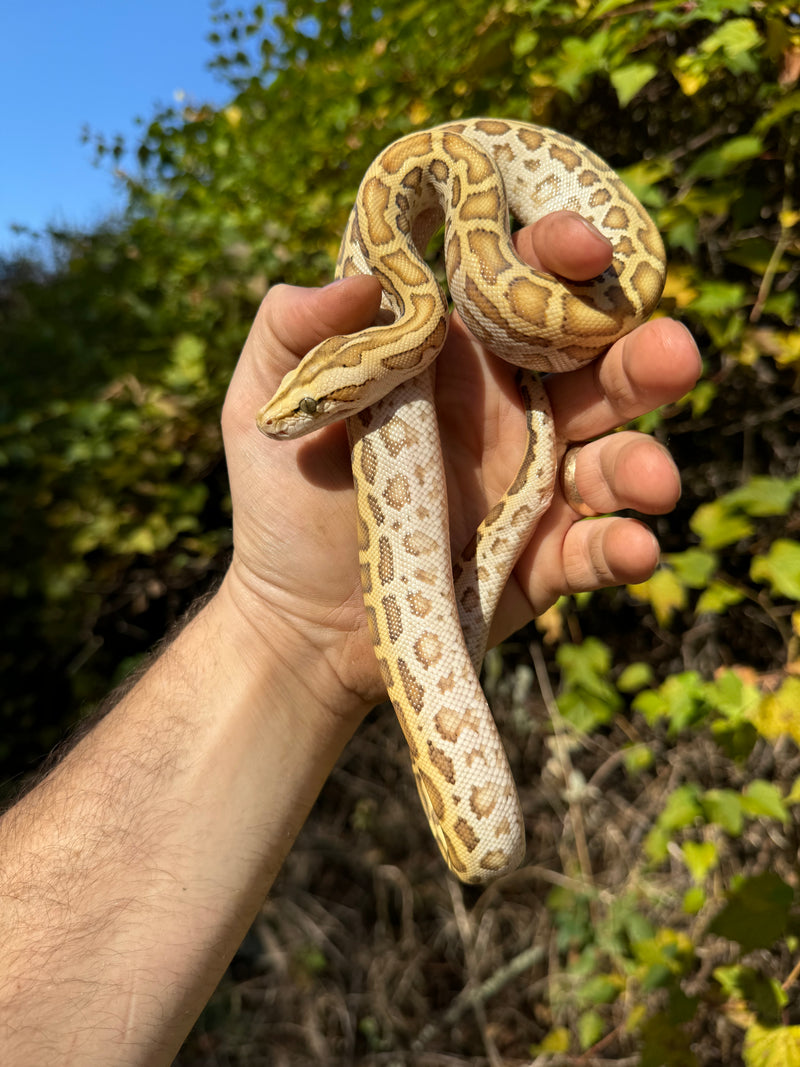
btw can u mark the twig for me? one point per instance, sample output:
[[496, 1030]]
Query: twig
[[472, 996], [792, 977], [560, 730], [787, 219], [465, 932]]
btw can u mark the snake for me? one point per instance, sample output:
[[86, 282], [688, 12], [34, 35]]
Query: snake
[[429, 610]]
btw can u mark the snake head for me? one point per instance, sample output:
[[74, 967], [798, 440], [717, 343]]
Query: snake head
[[336, 380], [307, 399], [286, 418]]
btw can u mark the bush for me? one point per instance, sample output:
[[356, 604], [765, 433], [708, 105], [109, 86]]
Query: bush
[[659, 917]]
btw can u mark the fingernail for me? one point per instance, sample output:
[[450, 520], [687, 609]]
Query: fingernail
[[595, 232]]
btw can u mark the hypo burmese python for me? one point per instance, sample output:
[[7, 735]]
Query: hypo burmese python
[[429, 619]]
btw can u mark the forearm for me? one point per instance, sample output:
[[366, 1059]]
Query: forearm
[[130, 875]]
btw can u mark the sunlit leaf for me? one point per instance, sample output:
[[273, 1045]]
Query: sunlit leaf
[[591, 1027], [717, 526], [772, 1046], [779, 568], [694, 566], [760, 797], [763, 496], [700, 857], [779, 712], [635, 676], [679, 700], [628, 80], [717, 597], [682, 808], [664, 591]]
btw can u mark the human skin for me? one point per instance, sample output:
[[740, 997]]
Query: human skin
[[131, 873]]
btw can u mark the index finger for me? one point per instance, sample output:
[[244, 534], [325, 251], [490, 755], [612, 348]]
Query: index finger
[[655, 364]]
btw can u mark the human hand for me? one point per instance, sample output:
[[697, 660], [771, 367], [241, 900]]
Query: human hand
[[295, 568]]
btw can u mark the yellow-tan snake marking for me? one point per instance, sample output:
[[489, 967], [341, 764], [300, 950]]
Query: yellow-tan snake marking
[[428, 618]]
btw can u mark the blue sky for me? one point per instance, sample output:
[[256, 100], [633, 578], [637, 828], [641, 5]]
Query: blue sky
[[65, 64]]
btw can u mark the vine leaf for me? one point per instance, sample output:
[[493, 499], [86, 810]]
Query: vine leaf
[[772, 1046], [756, 912]]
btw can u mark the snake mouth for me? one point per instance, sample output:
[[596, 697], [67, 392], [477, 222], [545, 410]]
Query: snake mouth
[[272, 428]]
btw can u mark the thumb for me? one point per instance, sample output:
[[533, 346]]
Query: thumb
[[290, 322], [293, 320]]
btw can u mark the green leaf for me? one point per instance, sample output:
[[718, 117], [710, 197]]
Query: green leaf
[[600, 989], [717, 597], [584, 662], [682, 808], [524, 43], [588, 699], [717, 526], [186, 370], [635, 676], [679, 700], [761, 994], [628, 80], [664, 1044], [756, 255], [780, 568], [736, 39], [760, 797], [718, 298], [637, 758], [732, 696], [700, 858], [656, 844], [783, 108], [586, 711], [763, 496], [694, 566], [793, 796], [580, 57], [724, 808], [591, 1028], [694, 900], [722, 159], [756, 912]]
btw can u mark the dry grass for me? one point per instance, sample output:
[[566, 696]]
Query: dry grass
[[368, 953]]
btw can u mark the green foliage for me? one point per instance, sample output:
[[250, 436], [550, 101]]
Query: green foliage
[[626, 959], [114, 508], [756, 911]]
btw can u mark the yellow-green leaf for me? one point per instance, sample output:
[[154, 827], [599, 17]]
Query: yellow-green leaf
[[557, 1040], [664, 591], [780, 568], [779, 712], [628, 80], [700, 857], [760, 797], [772, 1046], [694, 566], [717, 526], [717, 598]]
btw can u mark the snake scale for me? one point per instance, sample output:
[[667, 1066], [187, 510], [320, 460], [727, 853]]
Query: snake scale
[[428, 616]]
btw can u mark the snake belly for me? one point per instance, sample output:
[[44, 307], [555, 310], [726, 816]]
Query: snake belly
[[429, 616]]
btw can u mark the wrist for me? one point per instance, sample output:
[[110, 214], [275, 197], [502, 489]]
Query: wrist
[[310, 666]]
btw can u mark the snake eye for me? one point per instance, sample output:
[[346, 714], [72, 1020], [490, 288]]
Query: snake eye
[[307, 405]]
